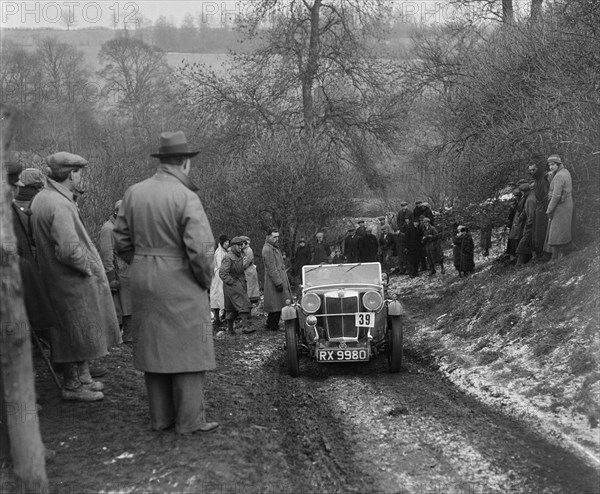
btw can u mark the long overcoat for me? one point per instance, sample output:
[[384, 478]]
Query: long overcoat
[[73, 277], [540, 220], [525, 246], [275, 276], [163, 230], [251, 275], [433, 244], [368, 247], [232, 273], [561, 208], [217, 297], [463, 252], [115, 268]]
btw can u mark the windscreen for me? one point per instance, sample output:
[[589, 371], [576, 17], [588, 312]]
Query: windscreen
[[329, 274]]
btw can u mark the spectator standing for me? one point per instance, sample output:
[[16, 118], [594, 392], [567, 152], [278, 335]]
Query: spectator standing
[[217, 297], [117, 272], [433, 246], [74, 278], [351, 246], [387, 243], [361, 230], [235, 289], [539, 173], [37, 305], [277, 286], [404, 218], [301, 258], [321, 252], [524, 248], [163, 229], [368, 246], [251, 273], [560, 208], [414, 246], [463, 251]]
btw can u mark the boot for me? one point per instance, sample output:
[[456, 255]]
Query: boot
[[85, 378], [442, 268], [73, 390], [230, 328]]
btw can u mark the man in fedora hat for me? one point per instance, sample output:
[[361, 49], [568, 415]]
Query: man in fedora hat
[[86, 324], [163, 228]]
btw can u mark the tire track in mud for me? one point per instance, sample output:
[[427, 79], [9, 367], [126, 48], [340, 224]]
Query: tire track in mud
[[356, 428]]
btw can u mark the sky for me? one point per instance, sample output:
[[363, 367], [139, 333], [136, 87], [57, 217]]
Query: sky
[[107, 13], [104, 13]]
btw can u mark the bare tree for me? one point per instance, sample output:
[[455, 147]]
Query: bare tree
[[67, 17], [137, 72]]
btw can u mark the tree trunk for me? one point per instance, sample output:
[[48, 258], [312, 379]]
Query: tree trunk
[[312, 65], [18, 400], [508, 14], [536, 10]]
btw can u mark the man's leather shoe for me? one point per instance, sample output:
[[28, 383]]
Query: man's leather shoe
[[248, 330], [81, 394], [205, 427], [97, 370]]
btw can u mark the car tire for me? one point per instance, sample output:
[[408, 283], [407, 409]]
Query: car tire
[[291, 343], [395, 344]]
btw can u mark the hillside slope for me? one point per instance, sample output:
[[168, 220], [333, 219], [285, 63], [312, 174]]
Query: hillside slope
[[524, 339]]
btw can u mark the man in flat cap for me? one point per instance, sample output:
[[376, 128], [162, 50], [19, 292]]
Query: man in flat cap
[[302, 257], [163, 231], [404, 219], [361, 230], [117, 272], [235, 288], [74, 279]]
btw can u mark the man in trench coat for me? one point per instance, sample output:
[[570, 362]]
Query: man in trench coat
[[74, 278], [277, 286], [163, 231]]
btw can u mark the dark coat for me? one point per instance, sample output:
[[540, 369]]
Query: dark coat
[[463, 252], [540, 220], [433, 244], [526, 243], [163, 229], [321, 252], [351, 248], [37, 305], [402, 217], [74, 278], [275, 276], [301, 259], [235, 288], [367, 248], [414, 241], [425, 211]]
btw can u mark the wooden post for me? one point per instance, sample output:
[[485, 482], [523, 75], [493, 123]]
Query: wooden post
[[26, 447]]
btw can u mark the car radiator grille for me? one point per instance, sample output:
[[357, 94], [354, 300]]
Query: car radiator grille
[[339, 320]]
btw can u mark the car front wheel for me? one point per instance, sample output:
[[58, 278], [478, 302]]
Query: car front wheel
[[395, 337], [291, 343]]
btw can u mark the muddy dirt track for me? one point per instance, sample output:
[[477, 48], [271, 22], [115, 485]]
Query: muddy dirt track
[[336, 428]]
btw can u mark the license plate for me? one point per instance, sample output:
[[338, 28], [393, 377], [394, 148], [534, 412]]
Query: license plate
[[364, 319], [348, 355]]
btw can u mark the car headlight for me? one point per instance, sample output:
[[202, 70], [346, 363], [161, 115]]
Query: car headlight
[[311, 303], [372, 300]]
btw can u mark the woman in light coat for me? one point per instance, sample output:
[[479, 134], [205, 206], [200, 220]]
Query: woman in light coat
[[560, 208], [217, 299], [251, 273]]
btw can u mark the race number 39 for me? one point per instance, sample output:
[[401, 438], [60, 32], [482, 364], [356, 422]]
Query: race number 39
[[365, 319]]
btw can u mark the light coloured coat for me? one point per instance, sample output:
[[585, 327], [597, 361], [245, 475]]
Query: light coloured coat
[[163, 229], [217, 299], [73, 277], [560, 208], [275, 275], [251, 275]]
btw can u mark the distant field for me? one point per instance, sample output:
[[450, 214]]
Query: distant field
[[90, 41]]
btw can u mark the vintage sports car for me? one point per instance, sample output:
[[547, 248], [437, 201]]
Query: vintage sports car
[[343, 315]]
